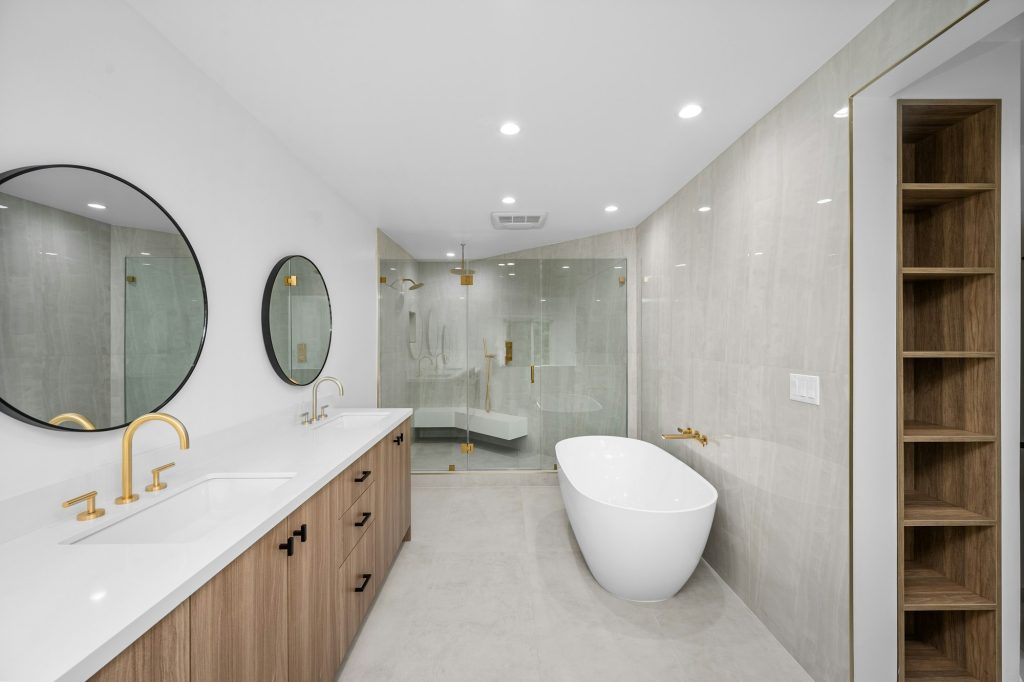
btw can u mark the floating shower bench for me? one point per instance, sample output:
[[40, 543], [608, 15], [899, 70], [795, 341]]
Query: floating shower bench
[[494, 424]]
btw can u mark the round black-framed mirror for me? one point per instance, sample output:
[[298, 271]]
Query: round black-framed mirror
[[103, 303], [297, 320]]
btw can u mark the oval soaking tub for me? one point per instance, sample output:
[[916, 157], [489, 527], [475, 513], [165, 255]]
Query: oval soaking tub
[[640, 516]]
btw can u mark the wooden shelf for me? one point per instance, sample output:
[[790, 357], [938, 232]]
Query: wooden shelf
[[922, 510], [925, 589], [921, 195], [917, 274], [923, 432], [939, 354], [925, 663]]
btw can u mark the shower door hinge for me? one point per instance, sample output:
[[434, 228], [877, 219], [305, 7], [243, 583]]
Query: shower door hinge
[[467, 448], [130, 279]]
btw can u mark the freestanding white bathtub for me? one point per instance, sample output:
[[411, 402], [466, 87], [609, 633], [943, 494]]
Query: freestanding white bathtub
[[641, 516]]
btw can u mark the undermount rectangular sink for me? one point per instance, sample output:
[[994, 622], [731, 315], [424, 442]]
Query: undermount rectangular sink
[[357, 420], [189, 514]]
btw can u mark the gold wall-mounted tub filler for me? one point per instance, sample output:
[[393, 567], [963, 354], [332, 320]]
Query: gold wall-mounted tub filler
[[127, 496], [291, 280], [157, 484], [91, 511], [73, 418], [687, 433]]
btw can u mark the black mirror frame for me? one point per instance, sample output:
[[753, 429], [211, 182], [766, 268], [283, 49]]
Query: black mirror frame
[[10, 409], [268, 341]]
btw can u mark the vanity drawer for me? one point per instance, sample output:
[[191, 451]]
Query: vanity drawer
[[357, 586], [355, 480], [354, 523]]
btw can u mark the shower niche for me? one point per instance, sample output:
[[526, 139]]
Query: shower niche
[[948, 391]]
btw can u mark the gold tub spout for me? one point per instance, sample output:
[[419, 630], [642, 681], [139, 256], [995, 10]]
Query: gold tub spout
[[74, 418], [126, 449], [685, 434]]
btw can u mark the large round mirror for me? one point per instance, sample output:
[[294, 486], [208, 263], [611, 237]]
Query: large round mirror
[[296, 320], [102, 302]]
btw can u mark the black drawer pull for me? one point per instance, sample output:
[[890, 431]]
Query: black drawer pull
[[397, 439], [366, 581], [401, 437], [288, 546], [366, 475], [301, 532], [366, 517]]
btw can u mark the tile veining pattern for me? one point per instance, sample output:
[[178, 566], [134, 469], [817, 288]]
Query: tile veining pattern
[[733, 300], [493, 587]]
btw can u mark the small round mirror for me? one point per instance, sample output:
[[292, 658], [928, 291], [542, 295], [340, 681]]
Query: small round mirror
[[102, 302], [296, 320]]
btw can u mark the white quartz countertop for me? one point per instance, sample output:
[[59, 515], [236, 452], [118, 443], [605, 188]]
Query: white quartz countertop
[[68, 609]]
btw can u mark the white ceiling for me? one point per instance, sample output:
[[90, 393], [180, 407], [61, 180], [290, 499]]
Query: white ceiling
[[73, 189], [397, 103]]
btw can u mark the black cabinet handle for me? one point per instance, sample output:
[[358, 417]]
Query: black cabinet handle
[[288, 546], [397, 439], [300, 533], [366, 581], [366, 518], [366, 475], [401, 437]]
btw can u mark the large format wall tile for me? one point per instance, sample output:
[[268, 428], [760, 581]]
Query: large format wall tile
[[732, 301]]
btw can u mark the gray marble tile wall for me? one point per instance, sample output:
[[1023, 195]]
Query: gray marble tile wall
[[396, 357], [56, 261], [736, 298]]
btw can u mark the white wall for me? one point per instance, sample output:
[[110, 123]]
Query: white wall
[[986, 70], [92, 83]]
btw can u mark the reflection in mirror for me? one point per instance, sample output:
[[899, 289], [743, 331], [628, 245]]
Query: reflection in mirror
[[102, 303], [297, 320]]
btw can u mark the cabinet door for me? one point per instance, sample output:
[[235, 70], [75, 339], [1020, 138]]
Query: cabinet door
[[405, 481], [358, 582], [312, 640], [160, 655], [386, 521], [240, 618]]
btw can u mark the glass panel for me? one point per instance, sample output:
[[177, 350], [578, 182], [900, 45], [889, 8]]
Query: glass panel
[[583, 351], [163, 326]]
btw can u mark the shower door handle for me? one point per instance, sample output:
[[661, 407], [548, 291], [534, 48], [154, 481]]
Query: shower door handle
[[533, 374]]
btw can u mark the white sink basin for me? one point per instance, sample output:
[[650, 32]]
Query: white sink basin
[[357, 420], [188, 514]]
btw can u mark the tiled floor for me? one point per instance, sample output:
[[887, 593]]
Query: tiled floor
[[436, 455], [493, 587]]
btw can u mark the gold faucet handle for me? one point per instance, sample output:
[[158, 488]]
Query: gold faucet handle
[[323, 413], [157, 484], [91, 512]]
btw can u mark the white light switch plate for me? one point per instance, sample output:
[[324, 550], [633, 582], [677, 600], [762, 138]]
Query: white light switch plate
[[805, 388]]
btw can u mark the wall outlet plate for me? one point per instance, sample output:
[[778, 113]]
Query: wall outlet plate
[[805, 388]]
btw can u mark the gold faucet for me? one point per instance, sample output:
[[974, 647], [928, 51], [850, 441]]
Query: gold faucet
[[127, 496], [686, 433], [74, 418], [313, 416]]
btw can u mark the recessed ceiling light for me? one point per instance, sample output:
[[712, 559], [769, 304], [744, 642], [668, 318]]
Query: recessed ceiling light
[[704, 209], [98, 207], [501, 265], [690, 111], [450, 254], [680, 265], [842, 113], [508, 200], [565, 267], [145, 253], [826, 200], [511, 274], [509, 128], [612, 208], [543, 300], [511, 263]]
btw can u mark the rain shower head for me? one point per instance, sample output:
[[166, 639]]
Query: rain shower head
[[414, 286], [397, 284]]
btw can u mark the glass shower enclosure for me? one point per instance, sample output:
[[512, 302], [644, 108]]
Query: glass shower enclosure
[[498, 371]]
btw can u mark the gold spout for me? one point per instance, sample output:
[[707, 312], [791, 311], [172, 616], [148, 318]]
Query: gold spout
[[126, 450], [74, 418], [685, 434]]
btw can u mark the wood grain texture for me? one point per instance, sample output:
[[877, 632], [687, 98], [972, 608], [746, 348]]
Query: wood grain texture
[[948, 390], [347, 488], [361, 562], [312, 639], [348, 533], [160, 655], [239, 620]]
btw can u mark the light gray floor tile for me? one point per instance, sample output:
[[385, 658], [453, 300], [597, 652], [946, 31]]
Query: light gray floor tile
[[493, 588]]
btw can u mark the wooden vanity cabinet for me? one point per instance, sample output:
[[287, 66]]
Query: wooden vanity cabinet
[[279, 615]]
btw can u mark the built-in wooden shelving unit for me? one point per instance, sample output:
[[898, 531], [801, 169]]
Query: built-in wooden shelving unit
[[948, 391]]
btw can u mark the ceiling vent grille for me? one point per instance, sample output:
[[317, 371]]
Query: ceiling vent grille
[[505, 220]]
